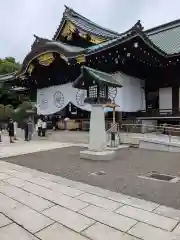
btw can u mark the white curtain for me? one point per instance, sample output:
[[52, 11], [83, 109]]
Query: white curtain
[[165, 99], [131, 97], [53, 99]]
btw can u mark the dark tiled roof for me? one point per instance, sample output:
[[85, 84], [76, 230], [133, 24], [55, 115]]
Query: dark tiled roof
[[108, 44], [7, 77], [85, 24], [132, 33], [99, 76], [103, 77], [166, 37]]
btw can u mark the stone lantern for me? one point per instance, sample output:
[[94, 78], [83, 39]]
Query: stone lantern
[[97, 85]]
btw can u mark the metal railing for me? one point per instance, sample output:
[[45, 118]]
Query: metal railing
[[167, 132]]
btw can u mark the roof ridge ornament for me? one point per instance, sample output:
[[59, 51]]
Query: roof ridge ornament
[[138, 26]]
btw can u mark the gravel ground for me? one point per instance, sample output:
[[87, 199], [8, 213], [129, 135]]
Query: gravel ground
[[121, 174]]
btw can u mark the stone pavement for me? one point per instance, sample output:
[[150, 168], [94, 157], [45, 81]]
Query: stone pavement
[[21, 147], [36, 205]]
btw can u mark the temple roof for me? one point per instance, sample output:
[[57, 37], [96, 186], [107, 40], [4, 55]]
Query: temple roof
[[135, 31], [166, 37], [89, 74], [84, 24]]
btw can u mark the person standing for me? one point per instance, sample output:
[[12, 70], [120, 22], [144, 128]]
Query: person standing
[[11, 130], [26, 130], [15, 130], [39, 127], [1, 130], [30, 129], [44, 127]]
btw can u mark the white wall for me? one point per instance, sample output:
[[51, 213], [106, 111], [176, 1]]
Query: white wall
[[131, 97], [165, 99]]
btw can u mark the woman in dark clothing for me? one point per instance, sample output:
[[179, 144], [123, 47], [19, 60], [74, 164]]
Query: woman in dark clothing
[[26, 130], [1, 129], [11, 130]]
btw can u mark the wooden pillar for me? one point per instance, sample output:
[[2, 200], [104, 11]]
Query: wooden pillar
[[175, 99]]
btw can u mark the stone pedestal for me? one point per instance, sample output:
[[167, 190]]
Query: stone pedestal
[[97, 133], [97, 149]]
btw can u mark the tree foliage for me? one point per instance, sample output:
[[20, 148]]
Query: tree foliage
[[8, 65]]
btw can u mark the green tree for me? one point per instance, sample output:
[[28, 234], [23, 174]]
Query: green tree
[[8, 65]]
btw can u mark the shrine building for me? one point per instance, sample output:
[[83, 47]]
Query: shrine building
[[144, 62]]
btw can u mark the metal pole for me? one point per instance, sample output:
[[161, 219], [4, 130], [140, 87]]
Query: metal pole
[[114, 116]]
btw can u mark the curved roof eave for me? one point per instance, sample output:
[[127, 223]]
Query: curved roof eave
[[64, 50], [8, 77], [68, 52], [69, 13], [134, 32]]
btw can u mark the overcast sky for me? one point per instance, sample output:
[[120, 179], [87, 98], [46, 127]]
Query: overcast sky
[[20, 19]]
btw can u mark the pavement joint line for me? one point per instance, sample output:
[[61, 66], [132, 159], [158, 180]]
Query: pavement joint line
[[88, 226], [156, 209], [114, 211], [56, 204], [117, 229], [83, 191], [119, 207], [86, 192], [45, 227], [148, 223], [21, 226], [175, 226], [27, 205], [7, 224], [55, 221], [8, 218], [34, 195]]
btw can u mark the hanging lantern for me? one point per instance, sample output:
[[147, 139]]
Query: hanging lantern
[[136, 44]]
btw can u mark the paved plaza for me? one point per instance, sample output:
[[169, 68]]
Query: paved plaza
[[37, 205], [47, 192]]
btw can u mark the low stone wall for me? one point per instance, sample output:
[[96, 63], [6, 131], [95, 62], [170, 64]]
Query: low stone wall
[[130, 139], [159, 145]]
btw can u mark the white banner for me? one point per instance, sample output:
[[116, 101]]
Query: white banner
[[53, 99], [130, 98], [165, 99]]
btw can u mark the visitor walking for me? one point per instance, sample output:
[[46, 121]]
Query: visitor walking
[[11, 130]]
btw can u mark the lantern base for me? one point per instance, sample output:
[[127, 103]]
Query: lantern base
[[97, 133], [98, 156]]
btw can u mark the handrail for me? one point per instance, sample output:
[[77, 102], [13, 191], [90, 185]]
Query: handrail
[[152, 126]]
